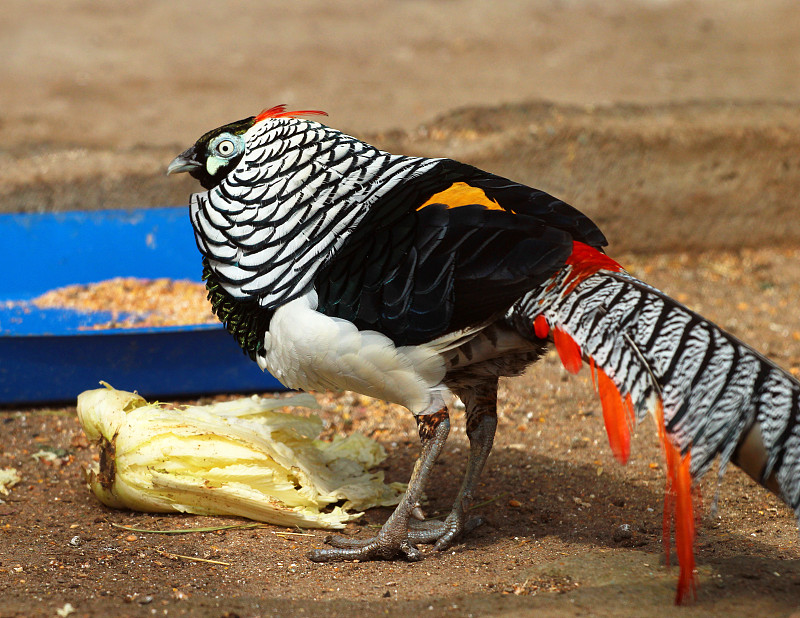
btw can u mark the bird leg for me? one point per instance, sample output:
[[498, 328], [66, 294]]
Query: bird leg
[[481, 406], [393, 539]]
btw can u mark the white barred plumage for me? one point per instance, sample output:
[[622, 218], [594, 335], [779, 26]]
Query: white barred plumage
[[289, 204], [713, 387]]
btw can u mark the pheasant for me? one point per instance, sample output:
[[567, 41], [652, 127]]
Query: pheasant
[[336, 265]]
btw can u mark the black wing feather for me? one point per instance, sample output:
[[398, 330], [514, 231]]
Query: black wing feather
[[415, 274]]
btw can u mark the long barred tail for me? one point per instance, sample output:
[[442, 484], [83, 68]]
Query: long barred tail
[[710, 393]]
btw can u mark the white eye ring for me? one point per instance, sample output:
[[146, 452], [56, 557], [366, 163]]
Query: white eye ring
[[225, 148]]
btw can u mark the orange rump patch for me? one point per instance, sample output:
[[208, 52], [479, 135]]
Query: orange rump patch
[[462, 194]]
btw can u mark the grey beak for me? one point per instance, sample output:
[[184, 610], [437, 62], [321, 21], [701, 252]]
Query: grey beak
[[184, 162]]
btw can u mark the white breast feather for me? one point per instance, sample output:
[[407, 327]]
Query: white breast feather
[[308, 350]]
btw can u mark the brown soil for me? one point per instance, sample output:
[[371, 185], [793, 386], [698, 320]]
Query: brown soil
[[555, 501], [674, 124]]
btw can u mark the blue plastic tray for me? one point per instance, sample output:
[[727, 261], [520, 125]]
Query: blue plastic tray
[[47, 355]]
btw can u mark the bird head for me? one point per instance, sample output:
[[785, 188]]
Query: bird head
[[217, 152]]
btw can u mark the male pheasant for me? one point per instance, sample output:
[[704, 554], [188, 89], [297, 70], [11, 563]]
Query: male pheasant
[[336, 265]]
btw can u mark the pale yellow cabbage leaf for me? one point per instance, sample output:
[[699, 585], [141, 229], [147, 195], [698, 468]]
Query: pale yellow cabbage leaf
[[230, 458], [8, 478]]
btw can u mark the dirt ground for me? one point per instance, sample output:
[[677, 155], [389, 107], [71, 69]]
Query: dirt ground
[[553, 497], [674, 124]]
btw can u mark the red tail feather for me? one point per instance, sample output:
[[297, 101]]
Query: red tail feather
[[568, 350], [678, 506], [540, 327], [619, 417], [616, 414]]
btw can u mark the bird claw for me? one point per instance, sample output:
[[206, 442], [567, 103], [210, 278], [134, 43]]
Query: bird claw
[[442, 534], [377, 548], [345, 542], [417, 513], [393, 541]]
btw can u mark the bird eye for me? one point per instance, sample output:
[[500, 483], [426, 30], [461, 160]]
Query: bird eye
[[226, 148]]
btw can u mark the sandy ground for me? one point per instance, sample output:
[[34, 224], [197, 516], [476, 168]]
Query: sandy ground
[[553, 498], [143, 73], [675, 124]]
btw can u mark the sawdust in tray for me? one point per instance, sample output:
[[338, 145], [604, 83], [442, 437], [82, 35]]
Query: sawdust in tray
[[134, 302]]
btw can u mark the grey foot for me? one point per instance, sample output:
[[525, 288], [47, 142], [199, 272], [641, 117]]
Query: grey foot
[[379, 547], [442, 534]]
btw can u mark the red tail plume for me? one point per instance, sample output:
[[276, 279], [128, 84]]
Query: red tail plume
[[678, 506], [617, 412], [540, 327], [568, 350], [279, 111], [617, 415]]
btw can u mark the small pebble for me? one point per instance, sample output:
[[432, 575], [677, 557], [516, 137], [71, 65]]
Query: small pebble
[[622, 533]]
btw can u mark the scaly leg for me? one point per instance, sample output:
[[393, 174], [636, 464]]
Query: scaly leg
[[393, 539], [481, 407]]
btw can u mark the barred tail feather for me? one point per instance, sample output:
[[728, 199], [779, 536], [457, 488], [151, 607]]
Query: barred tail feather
[[709, 393]]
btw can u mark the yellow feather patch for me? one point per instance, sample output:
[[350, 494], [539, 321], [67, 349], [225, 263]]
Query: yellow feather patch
[[462, 194]]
